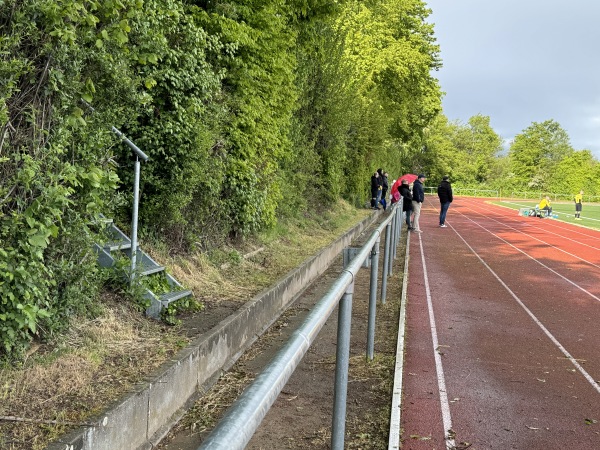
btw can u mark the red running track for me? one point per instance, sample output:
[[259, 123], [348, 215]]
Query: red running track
[[502, 332]]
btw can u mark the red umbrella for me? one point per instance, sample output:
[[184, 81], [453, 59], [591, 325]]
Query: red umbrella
[[408, 176]]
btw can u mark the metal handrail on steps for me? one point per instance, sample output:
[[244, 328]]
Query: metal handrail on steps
[[139, 154]]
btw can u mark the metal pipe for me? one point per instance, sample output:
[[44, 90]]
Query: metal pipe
[[131, 145], [340, 395], [238, 425], [372, 300], [386, 262], [134, 219], [398, 230]]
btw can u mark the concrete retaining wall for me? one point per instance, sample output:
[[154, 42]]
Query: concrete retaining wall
[[144, 416]]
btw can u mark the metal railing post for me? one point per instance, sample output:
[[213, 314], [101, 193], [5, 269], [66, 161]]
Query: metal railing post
[[392, 253], [386, 262], [394, 233], [136, 190], [134, 219], [373, 299], [338, 428], [399, 224]]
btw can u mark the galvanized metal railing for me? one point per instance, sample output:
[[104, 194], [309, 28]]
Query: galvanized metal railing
[[241, 421], [139, 154]]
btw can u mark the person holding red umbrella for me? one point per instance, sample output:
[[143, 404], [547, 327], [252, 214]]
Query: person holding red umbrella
[[406, 201], [409, 177]]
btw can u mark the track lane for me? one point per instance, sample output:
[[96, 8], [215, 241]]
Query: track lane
[[564, 260], [509, 384], [558, 300], [559, 232], [563, 265]]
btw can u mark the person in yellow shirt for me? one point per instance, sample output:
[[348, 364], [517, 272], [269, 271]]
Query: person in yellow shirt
[[578, 205], [545, 206]]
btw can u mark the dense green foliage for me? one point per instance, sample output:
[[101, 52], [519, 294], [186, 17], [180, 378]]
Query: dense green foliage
[[248, 109]]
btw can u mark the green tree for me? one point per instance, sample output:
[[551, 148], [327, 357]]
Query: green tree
[[389, 51], [535, 152], [574, 172], [467, 153]]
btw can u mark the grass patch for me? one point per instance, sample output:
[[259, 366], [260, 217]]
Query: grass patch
[[97, 361]]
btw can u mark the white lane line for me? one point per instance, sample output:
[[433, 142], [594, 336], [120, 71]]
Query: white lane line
[[532, 258], [396, 409], [445, 405], [539, 240], [564, 351]]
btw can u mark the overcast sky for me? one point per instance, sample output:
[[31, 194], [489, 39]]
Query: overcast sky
[[522, 61]]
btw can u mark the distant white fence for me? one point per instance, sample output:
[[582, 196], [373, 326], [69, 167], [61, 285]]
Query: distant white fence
[[489, 193], [554, 196]]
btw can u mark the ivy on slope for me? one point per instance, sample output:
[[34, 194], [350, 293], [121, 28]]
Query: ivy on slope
[[260, 97]]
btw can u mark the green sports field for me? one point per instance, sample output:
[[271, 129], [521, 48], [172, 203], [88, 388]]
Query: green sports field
[[590, 214]]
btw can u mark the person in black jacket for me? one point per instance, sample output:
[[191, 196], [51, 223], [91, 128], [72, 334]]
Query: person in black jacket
[[375, 190], [383, 176], [406, 201], [417, 201], [445, 196]]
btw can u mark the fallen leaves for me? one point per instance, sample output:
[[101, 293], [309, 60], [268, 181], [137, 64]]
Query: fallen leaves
[[420, 438]]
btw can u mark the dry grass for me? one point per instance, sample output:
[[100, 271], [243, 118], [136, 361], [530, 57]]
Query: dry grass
[[100, 360], [284, 248], [96, 362]]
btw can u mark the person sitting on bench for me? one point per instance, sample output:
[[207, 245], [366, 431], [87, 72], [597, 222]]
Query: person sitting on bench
[[545, 206]]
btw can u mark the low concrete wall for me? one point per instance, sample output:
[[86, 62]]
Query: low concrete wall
[[144, 416]]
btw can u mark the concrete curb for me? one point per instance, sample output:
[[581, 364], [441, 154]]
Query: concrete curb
[[140, 419]]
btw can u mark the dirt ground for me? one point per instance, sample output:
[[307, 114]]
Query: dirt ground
[[302, 415]]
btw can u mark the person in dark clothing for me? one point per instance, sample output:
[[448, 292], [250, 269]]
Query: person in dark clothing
[[417, 201], [380, 178], [406, 201], [384, 188], [375, 190], [445, 195]]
